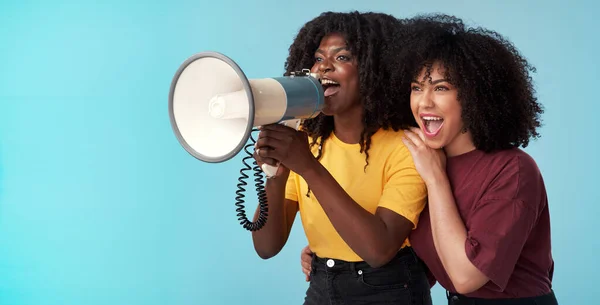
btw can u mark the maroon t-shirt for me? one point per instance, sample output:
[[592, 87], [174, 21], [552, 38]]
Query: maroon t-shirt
[[502, 201]]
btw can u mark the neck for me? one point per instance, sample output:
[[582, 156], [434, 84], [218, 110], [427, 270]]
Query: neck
[[349, 126], [462, 144]]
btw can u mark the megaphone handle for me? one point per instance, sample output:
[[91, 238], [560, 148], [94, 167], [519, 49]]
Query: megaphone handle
[[270, 170]]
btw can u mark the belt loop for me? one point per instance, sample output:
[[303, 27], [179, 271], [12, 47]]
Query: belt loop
[[355, 271]]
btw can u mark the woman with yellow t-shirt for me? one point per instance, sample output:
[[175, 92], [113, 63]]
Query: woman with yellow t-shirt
[[348, 172]]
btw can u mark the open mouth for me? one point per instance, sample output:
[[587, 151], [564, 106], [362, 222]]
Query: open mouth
[[432, 124], [331, 87]]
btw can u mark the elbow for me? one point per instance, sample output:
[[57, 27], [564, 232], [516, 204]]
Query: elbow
[[380, 258], [267, 246], [376, 263], [467, 285], [266, 253], [464, 288], [266, 250]]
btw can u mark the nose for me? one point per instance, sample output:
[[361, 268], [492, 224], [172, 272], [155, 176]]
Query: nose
[[426, 99], [325, 66]]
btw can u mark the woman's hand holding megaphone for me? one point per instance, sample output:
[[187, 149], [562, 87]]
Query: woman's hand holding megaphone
[[284, 146], [282, 171]]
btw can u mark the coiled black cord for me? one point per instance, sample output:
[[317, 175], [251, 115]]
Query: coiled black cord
[[260, 190]]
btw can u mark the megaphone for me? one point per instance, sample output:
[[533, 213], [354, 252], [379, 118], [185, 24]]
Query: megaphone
[[214, 108]]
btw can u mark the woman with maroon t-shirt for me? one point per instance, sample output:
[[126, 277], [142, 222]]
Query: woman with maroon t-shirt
[[485, 234]]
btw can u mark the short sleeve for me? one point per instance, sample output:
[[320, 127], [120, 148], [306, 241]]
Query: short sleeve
[[404, 191], [291, 190], [500, 223]]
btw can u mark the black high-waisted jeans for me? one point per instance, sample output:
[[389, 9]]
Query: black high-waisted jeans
[[402, 281]]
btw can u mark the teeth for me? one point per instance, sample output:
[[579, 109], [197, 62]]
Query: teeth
[[432, 118], [328, 82]]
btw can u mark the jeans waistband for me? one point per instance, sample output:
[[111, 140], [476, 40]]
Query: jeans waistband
[[337, 265]]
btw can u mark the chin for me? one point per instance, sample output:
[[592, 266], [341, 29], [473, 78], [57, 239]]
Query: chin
[[326, 111], [435, 144]]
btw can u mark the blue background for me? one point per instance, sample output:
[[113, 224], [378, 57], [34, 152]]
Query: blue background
[[99, 204]]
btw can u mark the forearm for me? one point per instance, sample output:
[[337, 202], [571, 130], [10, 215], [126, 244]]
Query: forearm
[[271, 238], [365, 233], [450, 235]]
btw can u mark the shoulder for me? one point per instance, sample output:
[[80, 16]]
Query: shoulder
[[394, 155], [390, 138], [515, 175], [391, 142], [513, 162]]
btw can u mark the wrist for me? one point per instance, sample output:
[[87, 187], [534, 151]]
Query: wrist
[[279, 180], [311, 170], [439, 179]]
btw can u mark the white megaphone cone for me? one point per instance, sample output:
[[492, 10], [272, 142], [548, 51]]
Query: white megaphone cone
[[214, 107]]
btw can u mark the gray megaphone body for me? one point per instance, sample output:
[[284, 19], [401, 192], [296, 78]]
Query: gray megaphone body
[[214, 108]]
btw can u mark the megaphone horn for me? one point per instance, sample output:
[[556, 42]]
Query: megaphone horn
[[214, 108]]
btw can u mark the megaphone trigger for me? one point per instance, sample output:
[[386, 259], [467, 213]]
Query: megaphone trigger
[[214, 108], [270, 170]]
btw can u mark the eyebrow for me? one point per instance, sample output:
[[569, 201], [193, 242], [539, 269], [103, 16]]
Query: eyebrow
[[334, 50], [435, 82]]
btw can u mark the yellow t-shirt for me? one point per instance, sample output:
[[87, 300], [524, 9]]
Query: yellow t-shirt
[[390, 181]]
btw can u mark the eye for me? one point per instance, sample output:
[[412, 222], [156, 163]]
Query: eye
[[441, 88], [343, 58], [318, 58], [415, 88]]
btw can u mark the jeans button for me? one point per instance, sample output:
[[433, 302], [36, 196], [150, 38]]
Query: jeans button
[[330, 263]]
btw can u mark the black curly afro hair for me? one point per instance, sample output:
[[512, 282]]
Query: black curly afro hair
[[368, 37], [499, 106]]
